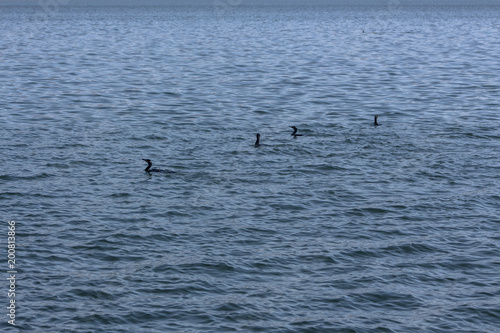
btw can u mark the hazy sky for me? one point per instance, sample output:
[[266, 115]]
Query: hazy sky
[[251, 2]]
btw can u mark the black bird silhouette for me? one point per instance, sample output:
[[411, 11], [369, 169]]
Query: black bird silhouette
[[294, 134], [149, 170], [257, 142], [375, 123]]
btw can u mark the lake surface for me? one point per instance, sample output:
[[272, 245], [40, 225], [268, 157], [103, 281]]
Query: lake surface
[[348, 228]]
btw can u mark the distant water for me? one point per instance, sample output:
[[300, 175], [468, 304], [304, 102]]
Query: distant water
[[349, 228]]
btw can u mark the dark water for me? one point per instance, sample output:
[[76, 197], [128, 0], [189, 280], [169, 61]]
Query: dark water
[[349, 228]]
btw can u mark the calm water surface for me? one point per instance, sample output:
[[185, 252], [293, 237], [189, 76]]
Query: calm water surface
[[349, 228]]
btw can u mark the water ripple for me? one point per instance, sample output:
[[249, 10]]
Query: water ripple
[[348, 228]]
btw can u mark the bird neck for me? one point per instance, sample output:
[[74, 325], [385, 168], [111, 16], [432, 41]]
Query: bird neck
[[148, 167]]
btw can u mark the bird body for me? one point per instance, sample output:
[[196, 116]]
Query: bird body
[[257, 142], [294, 134], [149, 169]]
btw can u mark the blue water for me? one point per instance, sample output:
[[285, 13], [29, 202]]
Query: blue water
[[349, 228]]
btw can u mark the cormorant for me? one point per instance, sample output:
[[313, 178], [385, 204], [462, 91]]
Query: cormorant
[[375, 123], [148, 168], [294, 134], [257, 142]]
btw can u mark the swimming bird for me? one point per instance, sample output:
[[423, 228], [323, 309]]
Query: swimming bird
[[257, 142], [294, 134], [148, 168], [375, 123]]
